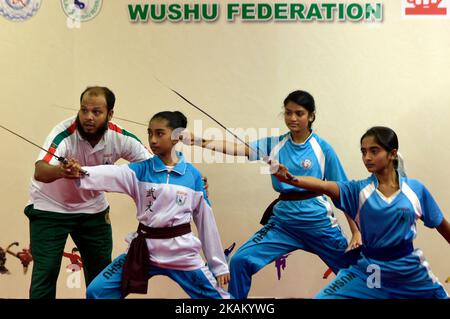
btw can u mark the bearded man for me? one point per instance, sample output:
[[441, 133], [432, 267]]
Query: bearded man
[[58, 208]]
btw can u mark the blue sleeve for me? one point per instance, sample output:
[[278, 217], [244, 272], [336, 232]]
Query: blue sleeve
[[260, 148], [431, 213], [333, 167], [349, 197], [139, 169]]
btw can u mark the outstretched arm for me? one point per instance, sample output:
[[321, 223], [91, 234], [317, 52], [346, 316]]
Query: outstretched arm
[[444, 229], [328, 188], [225, 147], [110, 178], [310, 183]]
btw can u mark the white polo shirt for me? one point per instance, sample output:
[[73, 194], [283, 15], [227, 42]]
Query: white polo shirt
[[62, 195]]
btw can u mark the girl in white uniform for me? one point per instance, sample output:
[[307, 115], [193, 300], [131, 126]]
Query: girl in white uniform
[[168, 193]]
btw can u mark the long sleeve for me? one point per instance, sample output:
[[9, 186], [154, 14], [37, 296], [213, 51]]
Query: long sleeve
[[111, 178], [209, 236]]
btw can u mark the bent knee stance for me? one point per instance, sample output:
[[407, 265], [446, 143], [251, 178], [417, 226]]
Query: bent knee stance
[[241, 262]]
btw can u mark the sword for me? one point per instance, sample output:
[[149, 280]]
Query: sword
[[59, 158], [204, 112], [264, 158]]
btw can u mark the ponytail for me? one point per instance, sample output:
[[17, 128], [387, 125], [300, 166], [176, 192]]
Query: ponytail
[[399, 165]]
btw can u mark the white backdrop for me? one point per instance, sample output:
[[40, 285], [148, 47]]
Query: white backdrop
[[394, 73]]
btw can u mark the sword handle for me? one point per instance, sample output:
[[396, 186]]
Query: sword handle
[[65, 161]]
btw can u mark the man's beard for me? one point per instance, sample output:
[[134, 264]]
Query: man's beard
[[91, 136]]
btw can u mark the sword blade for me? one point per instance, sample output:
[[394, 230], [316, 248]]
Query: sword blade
[[27, 140], [265, 159], [204, 112], [59, 158]]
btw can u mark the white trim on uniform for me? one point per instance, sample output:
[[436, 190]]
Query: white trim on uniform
[[208, 274], [274, 153], [319, 154], [329, 208], [424, 263], [364, 194], [409, 193], [389, 199]]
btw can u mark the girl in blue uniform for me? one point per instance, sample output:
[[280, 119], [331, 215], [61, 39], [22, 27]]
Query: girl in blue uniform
[[386, 207], [169, 194], [297, 219]]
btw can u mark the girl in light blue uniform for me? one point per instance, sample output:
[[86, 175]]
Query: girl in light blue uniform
[[386, 207], [297, 219]]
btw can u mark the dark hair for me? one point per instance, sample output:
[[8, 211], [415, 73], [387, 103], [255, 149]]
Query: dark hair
[[304, 99], [101, 90], [385, 137], [175, 119]]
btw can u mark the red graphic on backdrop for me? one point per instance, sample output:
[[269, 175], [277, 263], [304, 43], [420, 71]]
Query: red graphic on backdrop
[[280, 263], [422, 7], [327, 273], [76, 262], [24, 256]]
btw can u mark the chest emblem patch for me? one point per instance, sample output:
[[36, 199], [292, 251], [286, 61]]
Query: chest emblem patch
[[306, 164], [181, 198]]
